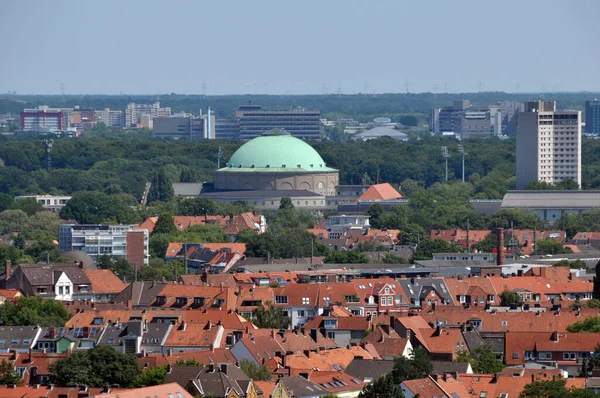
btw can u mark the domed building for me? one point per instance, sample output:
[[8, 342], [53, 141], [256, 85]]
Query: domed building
[[277, 161]]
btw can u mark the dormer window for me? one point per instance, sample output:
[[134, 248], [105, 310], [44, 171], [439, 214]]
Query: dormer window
[[181, 300], [98, 321], [160, 300], [281, 299]]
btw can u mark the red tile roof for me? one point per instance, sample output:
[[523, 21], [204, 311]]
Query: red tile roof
[[104, 281], [380, 192]]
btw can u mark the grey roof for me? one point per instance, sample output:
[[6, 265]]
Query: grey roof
[[218, 380], [153, 334], [495, 340], [140, 293], [440, 367], [416, 288], [381, 132], [552, 199], [369, 368], [302, 387], [17, 337], [187, 188], [453, 263], [473, 339], [44, 274], [182, 374]]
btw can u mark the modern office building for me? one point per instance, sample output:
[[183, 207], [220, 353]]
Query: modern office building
[[53, 203], [111, 118], [44, 118], [137, 114], [509, 111], [124, 241], [548, 144], [253, 121], [227, 129], [592, 117], [469, 121], [184, 127]]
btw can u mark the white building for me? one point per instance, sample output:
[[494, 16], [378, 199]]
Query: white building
[[548, 144], [110, 118], [50, 202], [124, 241], [134, 114]]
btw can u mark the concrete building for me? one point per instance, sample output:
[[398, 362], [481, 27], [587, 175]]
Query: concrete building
[[552, 205], [134, 114], [111, 118], [124, 241], [227, 129], [254, 121], [44, 118], [509, 111], [592, 117], [548, 144], [82, 118], [50, 202], [467, 120]]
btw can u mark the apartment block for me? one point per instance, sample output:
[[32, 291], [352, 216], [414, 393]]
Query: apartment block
[[136, 114], [253, 121], [124, 241], [50, 202], [592, 117], [548, 144], [471, 121], [184, 127], [110, 118]]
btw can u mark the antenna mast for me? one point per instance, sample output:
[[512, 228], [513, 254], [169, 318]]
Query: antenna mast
[[461, 149], [219, 156], [48, 144]]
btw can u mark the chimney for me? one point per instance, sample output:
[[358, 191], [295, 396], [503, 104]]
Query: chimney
[[224, 368], [555, 337], [8, 269], [314, 334], [81, 264], [500, 247]]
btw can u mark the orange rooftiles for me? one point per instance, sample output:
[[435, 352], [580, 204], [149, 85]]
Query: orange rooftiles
[[380, 192], [104, 281]]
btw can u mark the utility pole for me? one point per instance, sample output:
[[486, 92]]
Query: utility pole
[[468, 243], [185, 259], [312, 250], [461, 149], [446, 155]]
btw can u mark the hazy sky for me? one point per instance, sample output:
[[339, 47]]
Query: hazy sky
[[297, 47]]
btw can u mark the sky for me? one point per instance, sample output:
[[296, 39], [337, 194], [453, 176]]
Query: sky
[[278, 47]]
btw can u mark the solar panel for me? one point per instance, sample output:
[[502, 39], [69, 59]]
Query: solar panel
[[93, 332], [61, 332]]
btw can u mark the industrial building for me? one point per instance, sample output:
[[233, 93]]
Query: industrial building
[[184, 127], [253, 121]]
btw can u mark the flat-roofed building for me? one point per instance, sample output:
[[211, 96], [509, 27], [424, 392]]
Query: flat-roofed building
[[301, 123], [548, 144], [552, 205]]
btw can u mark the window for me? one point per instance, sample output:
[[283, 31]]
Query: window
[[330, 323], [545, 355], [331, 335], [390, 300], [515, 355], [98, 321], [301, 313], [60, 290], [67, 289], [569, 356], [181, 301], [281, 299], [15, 341], [504, 323], [83, 289], [305, 300]]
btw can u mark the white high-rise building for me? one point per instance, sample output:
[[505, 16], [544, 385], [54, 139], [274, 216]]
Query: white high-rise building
[[548, 144], [135, 112]]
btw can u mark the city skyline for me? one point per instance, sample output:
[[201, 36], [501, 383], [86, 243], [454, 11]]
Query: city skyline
[[297, 48]]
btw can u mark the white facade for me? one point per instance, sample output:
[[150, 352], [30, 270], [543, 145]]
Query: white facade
[[50, 202], [135, 112], [548, 144], [63, 288], [110, 118]]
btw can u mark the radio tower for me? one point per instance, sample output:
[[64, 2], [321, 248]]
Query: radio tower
[[461, 149], [219, 156], [48, 144]]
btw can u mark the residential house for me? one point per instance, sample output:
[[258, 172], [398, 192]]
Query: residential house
[[474, 291], [343, 330], [380, 295], [37, 391], [189, 337], [300, 302], [206, 257], [62, 340], [64, 282], [425, 387], [223, 381], [388, 343], [170, 390], [33, 367], [104, 283], [429, 291], [9, 295], [300, 387], [369, 370], [19, 338], [567, 350], [135, 336], [216, 356], [463, 238], [338, 383]]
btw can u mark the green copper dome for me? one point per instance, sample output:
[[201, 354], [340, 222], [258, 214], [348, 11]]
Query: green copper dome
[[276, 151]]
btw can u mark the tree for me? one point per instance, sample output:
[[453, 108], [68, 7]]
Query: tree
[[255, 372], [286, 203], [6, 202], [412, 235], [390, 258], [270, 317], [101, 366], [165, 224], [187, 362], [425, 249], [8, 376], [33, 311], [161, 188], [507, 298], [152, 376], [588, 325], [487, 245], [384, 387], [91, 208], [13, 221], [376, 214], [197, 207], [120, 266], [19, 242], [483, 360], [28, 205], [596, 291], [353, 256], [550, 246], [416, 367], [555, 388]]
